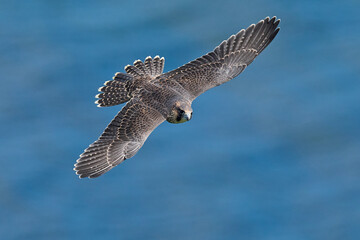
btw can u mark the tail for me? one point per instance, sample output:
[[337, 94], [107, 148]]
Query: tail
[[120, 89]]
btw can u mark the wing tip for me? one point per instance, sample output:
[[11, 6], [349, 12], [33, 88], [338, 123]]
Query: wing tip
[[91, 175], [273, 19]]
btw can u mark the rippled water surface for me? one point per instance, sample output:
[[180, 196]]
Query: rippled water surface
[[273, 154]]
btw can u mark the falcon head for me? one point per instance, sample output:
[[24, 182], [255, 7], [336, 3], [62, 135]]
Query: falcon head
[[180, 112]]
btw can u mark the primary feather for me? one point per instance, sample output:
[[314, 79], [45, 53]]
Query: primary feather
[[152, 96]]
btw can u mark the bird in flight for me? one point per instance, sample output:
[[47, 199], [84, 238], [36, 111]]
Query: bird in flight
[[153, 96]]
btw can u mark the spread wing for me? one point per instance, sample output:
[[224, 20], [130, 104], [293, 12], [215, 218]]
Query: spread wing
[[122, 138], [227, 60]]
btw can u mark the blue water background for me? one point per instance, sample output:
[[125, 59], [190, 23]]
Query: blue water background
[[274, 154]]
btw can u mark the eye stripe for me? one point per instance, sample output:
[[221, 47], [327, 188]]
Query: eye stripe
[[178, 118]]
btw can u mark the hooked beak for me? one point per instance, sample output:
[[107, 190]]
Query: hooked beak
[[188, 115]]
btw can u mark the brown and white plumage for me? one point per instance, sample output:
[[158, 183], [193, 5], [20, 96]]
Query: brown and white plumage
[[123, 137], [227, 60], [153, 97]]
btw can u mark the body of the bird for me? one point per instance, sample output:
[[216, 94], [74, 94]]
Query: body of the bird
[[153, 96]]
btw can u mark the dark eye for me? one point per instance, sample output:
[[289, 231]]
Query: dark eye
[[181, 112]]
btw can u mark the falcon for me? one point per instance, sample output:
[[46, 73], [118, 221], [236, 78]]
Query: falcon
[[153, 96]]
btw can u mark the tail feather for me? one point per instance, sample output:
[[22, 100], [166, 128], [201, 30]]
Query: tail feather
[[149, 68], [116, 91], [119, 90]]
